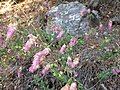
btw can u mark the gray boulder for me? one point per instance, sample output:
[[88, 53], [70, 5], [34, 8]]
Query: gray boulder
[[68, 17]]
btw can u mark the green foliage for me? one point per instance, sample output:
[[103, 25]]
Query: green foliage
[[80, 86], [40, 83], [58, 74], [81, 41], [111, 54], [47, 37], [3, 51], [104, 75], [104, 42]]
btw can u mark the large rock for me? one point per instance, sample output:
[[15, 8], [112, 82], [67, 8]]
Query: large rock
[[69, 17]]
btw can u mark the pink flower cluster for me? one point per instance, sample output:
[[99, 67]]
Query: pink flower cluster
[[73, 86], [72, 63], [116, 71], [110, 25], [73, 41], [60, 34], [29, 43], [45, 69], [62, 49], [11, 30], [38, 58], [19, 72], [84, 12]]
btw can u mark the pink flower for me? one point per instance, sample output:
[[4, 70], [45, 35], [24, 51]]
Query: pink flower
[[46, 51], [35, 63], [11, 31], [73, 86], [101, 28], [116, 71], [60, 34], [88, 10], [62, 49], [46, 69], [27, 46], [73, 42], [110, 25], [72, 63], [83, 12], [29, 43], [19, 72], [38, 58], [32, 69], [66, 87]]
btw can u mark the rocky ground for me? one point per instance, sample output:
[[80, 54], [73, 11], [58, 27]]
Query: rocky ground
[[98, 54]]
